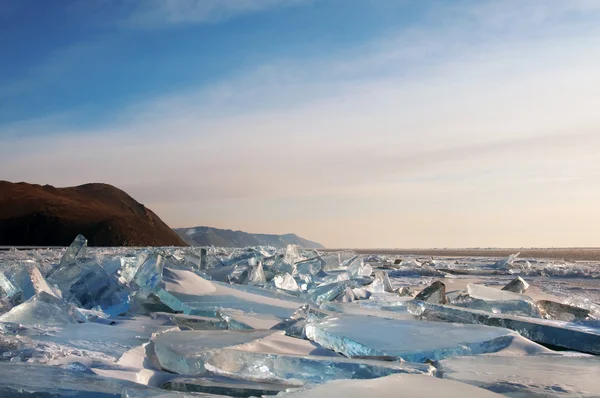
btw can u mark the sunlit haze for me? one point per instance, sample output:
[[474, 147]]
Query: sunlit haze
[[353, 124]]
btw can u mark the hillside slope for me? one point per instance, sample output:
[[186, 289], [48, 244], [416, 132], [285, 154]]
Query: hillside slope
[[207, 236], [36, 215]]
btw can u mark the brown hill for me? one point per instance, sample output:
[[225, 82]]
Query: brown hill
[[35, 215]]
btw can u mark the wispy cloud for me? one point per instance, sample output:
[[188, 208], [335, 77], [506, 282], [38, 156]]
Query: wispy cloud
[[153, 13], [428, 123]]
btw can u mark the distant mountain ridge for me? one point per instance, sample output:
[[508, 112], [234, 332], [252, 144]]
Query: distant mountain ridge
[[208, 236]]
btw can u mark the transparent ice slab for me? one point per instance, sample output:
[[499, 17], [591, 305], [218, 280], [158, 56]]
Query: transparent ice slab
[[205, 297], [411, 340], [434, 293], [110, 340], [76, 249], [227, 386], [562, 312], [490, 294], [566, 335], [517, 285], [299, 368], [186, 352], [286, 282], [30, 281], [29, 380], [528, 376], [43, 310]]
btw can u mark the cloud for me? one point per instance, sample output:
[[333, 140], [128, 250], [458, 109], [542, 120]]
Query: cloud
[[426, 125], [152, 13]]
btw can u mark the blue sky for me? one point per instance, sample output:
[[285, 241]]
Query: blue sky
[[100, 56], [353, 123]]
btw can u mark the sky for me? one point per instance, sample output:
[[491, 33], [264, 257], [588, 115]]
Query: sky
[[371, 124]]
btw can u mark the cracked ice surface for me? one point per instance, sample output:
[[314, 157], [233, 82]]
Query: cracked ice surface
[[177, 322]]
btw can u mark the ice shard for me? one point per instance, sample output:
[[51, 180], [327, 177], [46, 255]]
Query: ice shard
[[300, 369], [256, 275], [149, 274], [566, 335], [404, 385], [186, 352], [286, 282], [562, 312], [511, 307], [413, 341], [517, 285], [294, 325], [189, 293], [361, 293], [241, 320], [507, 262], [328, 292], [45, 310], [347, 296], [434, 293], [489, 293], [28, 380], [226, 386], [381, 283], [311, 266], [76, 249], [292, 255], [30, 281], [7, 289]]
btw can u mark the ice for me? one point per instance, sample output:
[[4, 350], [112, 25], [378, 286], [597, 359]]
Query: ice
[[359, 268], [189, 293], [28, 380], [565, 335], [347, 296], [517, 285], [586, 304], [381, 283], [528, 376], [434, 293], [562, 312], [507, 262], [149, 274], [43, 309], [286, 282], [305, 369], [405, 386], [413, 341], [329, 291], [256, 320], [292, 255], [311, 266], [225, 386], [257, 275], [240, 320], [30, 281], [514, 307], [490, 294], [186, 352], [7, 289], [76, 249], [361, 293]]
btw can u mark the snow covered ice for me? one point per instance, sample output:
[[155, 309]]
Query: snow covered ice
[[174, 322]]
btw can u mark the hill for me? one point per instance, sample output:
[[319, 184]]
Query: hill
[[36, 215], [207, 236]]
